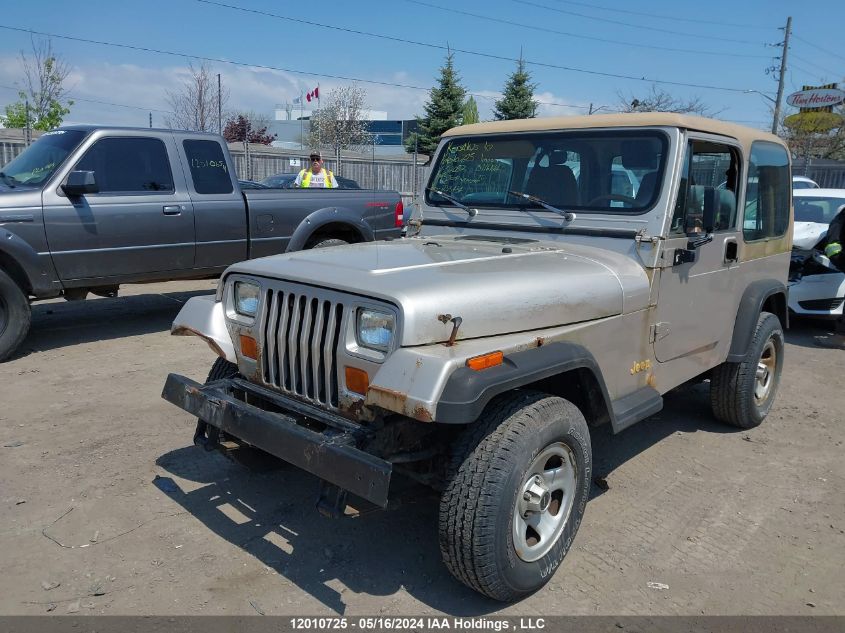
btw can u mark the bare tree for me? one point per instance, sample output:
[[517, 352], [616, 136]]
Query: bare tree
[[44, 75], [657, 100], [339, 124], [195, 105]]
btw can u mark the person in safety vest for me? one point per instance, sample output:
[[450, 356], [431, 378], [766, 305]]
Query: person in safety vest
[[316, 176], [833, 251]]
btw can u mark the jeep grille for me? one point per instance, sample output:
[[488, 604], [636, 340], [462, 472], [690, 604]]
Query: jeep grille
[[301, 335]]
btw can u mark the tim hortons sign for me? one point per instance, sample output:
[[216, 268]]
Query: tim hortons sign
[[816, 98]]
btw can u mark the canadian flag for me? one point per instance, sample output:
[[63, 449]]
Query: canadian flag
[[314, 94]]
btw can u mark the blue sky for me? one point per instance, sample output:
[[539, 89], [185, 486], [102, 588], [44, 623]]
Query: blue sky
[[632, 45]]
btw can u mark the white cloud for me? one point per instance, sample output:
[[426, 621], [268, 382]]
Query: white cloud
[[144, 89]]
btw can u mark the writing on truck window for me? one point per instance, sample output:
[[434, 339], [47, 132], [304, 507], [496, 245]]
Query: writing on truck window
[[208, 167]]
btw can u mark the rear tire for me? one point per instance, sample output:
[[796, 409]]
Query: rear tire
[[742, 394], [15, 316], [326, 243], [525, 463]]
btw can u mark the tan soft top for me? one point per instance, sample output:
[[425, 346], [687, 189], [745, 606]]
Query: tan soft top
[[745, 135]]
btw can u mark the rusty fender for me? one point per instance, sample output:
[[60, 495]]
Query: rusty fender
[[203, 317], [397, 401]]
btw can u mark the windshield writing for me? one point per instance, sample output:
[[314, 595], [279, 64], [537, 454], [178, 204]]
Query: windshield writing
[[583, 170], [37, 163]]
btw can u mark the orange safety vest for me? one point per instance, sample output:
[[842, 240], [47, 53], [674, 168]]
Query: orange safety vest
[[305, 178]]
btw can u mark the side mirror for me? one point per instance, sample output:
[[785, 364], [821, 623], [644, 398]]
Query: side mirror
[[79, 183]]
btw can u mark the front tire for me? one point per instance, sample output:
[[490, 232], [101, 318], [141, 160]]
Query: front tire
[[204, 432], [742, 394], [15, 316], [516, 492]]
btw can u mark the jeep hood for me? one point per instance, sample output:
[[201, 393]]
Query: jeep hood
[[495, 286]]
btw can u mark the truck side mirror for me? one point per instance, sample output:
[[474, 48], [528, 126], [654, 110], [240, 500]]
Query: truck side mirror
[[79, 183]]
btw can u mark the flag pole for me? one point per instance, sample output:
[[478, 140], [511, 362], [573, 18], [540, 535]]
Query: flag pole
[[301, 131]]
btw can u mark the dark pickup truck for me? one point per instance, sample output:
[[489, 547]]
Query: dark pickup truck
[[85, 209]]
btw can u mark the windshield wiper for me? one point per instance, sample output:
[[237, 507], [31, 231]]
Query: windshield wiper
[[8, 179], [470, 211], [567, 215]]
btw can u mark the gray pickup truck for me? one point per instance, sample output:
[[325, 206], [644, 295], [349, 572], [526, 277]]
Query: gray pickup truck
[[86, 208]]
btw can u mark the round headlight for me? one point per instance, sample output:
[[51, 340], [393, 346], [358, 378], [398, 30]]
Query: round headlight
[[246, 298], [375, 329]]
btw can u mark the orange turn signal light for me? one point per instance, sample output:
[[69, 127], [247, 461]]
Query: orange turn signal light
[[357, 380], [485, 361], [249, 347]]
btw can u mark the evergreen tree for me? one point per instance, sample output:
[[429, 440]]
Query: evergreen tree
[[517, 102], [442, 112], [470, 114]]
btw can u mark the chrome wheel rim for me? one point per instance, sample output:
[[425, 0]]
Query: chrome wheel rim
[[766, 368], [544, 502]]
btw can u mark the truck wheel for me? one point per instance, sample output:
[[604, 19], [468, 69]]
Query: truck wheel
[[516, 491], [742, 393], [15, 316], [328, 242]]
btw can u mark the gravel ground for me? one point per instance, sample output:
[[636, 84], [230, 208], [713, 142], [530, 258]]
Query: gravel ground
[[108, 508]]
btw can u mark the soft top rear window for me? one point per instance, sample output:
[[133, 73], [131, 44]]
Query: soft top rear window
[[591, 171]]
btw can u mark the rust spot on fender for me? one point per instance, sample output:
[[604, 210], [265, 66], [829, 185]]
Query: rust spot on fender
[[397, 401], [184, 330], [422, 414], [387, 398]]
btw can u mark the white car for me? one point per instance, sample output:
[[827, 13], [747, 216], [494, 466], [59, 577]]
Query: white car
[[818, 288], [802, 182]]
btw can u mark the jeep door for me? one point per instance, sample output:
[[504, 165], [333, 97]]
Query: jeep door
[[141, 221], [697, 296]]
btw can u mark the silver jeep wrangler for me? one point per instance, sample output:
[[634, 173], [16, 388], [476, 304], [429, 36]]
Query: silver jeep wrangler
[[563, 273]]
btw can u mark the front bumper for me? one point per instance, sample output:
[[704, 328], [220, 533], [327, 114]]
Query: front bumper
[[330, 454]]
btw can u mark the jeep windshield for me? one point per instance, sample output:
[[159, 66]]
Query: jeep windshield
[[587, 171], [37, 163]]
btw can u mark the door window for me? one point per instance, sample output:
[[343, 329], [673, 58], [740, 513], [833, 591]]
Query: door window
[[707, 165], [208, 166], [767, 196], [125, 165]]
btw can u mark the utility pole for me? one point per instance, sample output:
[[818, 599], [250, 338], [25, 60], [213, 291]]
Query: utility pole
[[219, 107], [776, 116]]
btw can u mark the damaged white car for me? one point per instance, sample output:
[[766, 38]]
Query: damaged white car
[[817, 287]]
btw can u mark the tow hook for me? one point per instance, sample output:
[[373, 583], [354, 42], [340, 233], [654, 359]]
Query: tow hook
[[206, 436], [331, 500]]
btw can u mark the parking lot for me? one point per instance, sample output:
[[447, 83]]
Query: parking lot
[[109, 508]]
